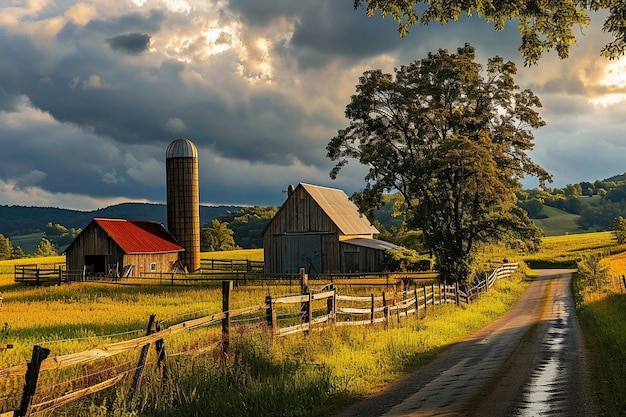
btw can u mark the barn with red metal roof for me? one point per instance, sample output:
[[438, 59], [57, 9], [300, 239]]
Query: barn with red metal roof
[[118, 247]]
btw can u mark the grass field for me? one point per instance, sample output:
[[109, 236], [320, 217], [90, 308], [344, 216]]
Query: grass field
[[558, 222], [296, 375], [602, 316], [565, 251], [28, 243]]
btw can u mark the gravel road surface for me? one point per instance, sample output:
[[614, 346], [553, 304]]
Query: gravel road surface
[[530, 362]]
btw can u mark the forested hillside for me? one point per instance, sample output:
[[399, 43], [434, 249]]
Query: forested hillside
[[21, 220], [594, 205], [576, 208]]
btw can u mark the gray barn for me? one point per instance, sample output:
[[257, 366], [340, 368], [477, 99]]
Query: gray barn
[[321, 230]]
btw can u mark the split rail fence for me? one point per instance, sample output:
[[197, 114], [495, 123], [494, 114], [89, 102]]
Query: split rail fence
[[281, 315]]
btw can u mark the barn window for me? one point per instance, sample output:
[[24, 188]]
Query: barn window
[[153, 267]]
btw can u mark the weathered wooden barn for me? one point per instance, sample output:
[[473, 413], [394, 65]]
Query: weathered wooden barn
[[117, 247], [321, 230]]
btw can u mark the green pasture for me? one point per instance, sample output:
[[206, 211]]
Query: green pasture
[[29, 242], [558, 222]]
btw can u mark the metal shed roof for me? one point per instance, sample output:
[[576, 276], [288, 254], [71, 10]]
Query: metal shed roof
[[371, 243], [139, 236], [343, 212]]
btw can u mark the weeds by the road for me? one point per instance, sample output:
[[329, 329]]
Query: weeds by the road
[[602, 316]]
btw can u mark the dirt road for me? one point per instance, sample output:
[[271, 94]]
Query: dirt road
[[531, 362]]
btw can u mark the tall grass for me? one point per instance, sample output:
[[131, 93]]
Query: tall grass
[[602, 316], [296, 375], [316, 374]]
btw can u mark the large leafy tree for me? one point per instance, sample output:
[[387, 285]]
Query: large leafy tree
[[452, 140], [543, 25], [6, 248], [248, 224], [216, 237], [45, 248]]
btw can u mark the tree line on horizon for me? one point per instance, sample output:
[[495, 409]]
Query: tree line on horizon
[[598, 204]]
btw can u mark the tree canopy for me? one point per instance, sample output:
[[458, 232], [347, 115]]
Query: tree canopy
[[248, 224], [6, 248], [45, 248], [543, 26], [216, 237], [452, 140], [619, 228]]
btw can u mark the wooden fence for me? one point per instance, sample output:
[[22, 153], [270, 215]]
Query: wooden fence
[[231, 265], [40, 274], [242, 277], [282, 315], [213, 271]]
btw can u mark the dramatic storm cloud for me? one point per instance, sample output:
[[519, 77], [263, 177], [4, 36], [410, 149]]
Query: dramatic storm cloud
[[133, 43], [92, 92]]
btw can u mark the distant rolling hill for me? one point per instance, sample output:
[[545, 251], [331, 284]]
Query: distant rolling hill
[[22, 220], [558, 222]]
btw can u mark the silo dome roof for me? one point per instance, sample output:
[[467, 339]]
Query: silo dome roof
[[181, 148]]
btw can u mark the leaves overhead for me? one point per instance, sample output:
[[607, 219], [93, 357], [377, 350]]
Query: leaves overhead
[[452, 140], [543, 25]]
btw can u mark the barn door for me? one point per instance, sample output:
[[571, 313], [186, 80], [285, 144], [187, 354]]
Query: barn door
[[302, 251]]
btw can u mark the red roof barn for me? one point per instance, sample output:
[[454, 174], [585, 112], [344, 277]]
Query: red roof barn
[[117, 247]]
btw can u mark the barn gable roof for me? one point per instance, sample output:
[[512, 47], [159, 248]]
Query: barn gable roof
[[139, 236], [343, 212]]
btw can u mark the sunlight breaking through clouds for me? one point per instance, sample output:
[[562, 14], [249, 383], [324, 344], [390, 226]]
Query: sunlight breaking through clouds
[[614, 78]]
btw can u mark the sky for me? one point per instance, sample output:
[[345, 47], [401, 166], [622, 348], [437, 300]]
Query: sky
[[92, 93]]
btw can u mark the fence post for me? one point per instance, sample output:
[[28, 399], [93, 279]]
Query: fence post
[[226, 287], [456, 292], [161, 354], [624, 281], [331, 303], [305, 306], [372, 314], [417, 302], [142, 360], [270, 316], [486, 281], [32, 376], [396, 303], [385, 310], [425, 300], [304, 281]]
